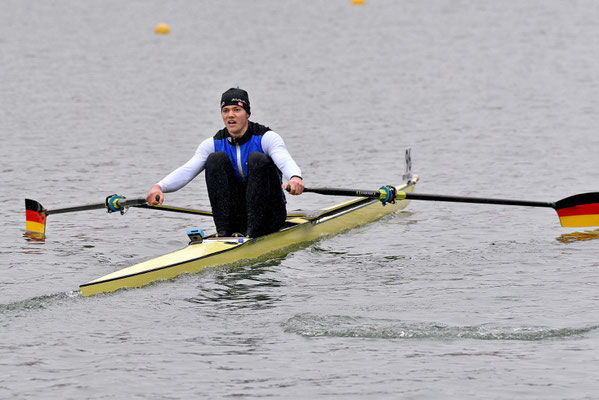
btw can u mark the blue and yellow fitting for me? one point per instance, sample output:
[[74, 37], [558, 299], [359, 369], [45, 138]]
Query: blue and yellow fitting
[[113, 203]]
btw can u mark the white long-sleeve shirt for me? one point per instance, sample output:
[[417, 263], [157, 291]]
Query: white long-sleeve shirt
[[272, 144]]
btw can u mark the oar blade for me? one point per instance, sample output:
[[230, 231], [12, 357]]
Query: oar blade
[[35, 219], [579, 210]]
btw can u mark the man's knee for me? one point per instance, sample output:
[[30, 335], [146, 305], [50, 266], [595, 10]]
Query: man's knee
[[216, 161], [258, 160]]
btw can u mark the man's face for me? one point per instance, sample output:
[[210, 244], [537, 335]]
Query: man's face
[[235, 119]]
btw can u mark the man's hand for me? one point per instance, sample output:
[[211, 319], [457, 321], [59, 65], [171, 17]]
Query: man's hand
[[295, 185], [155, 191]]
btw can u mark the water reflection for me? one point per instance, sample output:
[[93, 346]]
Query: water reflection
[[34, 236], [250, 286], [579, 236]]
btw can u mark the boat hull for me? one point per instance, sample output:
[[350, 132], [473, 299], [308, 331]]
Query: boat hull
[[223, 251]]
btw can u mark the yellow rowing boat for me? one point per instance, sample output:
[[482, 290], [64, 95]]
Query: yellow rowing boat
[[213, 251]]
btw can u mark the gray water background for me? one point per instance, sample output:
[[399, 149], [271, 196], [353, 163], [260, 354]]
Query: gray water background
[[496, 99]]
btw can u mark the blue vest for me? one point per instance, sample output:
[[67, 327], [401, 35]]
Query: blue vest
[[239, 149]]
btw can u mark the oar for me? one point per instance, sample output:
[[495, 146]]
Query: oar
[[574, 211], [35, 213], [112, 204]]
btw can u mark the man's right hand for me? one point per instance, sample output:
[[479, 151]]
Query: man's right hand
[[155, 191]]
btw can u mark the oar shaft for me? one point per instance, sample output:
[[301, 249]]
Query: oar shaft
[[121, 203], [376, 194], [477, 200]]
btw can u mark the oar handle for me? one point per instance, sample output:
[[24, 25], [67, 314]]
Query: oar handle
[[386, 194], [344, 192], [175, 209]]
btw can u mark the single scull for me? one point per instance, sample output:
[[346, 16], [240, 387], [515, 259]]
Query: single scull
[[213, 251], [579, 210]]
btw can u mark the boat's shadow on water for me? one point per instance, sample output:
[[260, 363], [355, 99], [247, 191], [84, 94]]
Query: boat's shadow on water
[[248, 286], [573, 237]]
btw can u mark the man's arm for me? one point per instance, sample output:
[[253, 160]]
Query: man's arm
[[274, 147], [182, 175]]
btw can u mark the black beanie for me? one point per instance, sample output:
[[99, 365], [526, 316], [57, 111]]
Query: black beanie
[[236, 97]]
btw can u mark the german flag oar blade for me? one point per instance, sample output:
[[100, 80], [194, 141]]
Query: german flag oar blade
[[35, 218], [579, 210]]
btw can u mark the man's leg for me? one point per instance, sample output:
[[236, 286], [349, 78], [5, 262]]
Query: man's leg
[[264, 196], [227, 195]]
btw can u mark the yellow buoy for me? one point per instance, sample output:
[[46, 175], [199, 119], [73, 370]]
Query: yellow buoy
[[162, 29], [357, 2]]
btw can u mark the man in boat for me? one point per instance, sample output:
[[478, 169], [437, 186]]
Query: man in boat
[[244, 163]]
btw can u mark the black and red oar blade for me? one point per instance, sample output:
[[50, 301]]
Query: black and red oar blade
[[579, 210], [35, 219]]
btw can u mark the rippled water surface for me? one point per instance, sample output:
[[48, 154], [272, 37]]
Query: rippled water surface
[[496, 99]]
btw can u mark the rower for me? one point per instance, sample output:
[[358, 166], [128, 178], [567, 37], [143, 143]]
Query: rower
[[244, 162]]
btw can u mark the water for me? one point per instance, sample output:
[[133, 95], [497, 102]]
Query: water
[[442, 300]]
